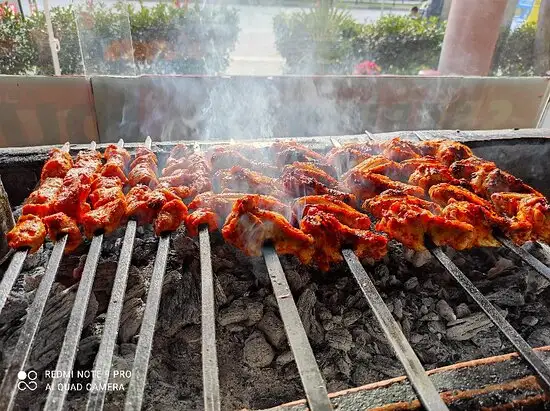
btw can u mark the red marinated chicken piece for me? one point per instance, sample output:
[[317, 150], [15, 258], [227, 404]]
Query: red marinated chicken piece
[[29, 232], [143, 173], [58, 225], [248, 228], [104, 219], [303, 179], [446, 151], [41, 200], [242, 180], [368, 185], [57, 165], [170, 217], [330, 236], [103, 196], [71, 199], [199, 217], [229, 156], [137, 206], [344, 213]]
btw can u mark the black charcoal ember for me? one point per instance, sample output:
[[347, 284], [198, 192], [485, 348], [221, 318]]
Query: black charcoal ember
[[507, 298], [257, 352], [462, 310], [273, 329], [540, 337], [411, 283], [445, 311], [306, 309]]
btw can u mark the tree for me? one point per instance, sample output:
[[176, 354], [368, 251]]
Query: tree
[[542, 40]]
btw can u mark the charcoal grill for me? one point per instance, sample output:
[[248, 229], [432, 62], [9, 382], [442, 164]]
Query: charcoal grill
[[317, 397]]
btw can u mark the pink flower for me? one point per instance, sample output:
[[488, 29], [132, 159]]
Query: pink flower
[[368, 68]]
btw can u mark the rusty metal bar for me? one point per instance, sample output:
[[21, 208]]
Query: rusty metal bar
[[134, 397], [314, 385], [490, 310], [8, 389], [210, 379]]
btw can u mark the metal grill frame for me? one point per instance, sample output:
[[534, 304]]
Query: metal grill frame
[[314, 386]]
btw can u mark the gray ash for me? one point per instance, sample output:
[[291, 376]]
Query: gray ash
[[256, 365]]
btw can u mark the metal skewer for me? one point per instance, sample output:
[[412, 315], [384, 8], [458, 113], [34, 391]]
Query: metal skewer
[[426, 391], [57, 395], [314, 385], [16, 264], [134, 396], [210, 375], [104, 356]]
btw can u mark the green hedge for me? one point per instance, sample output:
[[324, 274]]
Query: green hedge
[[166, 40], [397, 44]]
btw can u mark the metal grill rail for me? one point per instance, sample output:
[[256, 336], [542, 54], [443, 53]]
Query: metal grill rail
[[312, 380]]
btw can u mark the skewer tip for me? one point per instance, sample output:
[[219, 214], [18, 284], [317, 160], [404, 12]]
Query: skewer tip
[[121, 142], [369, 135], [93, 145], [335, 142], [66, 147], [148, 142]]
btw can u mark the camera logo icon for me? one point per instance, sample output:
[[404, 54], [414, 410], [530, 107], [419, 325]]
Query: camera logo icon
[[27, 380]]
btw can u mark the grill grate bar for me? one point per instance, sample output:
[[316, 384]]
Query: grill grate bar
[[314, 386], [8, 389], [525, 256], [65, 363], [11, 274], [104, 356], [544, 248], [426, 391], [211, 385], [511, 334], [134, 397]]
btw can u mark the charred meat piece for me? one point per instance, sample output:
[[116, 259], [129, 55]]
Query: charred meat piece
[[300, 180], [426, 176], [57, 165], [481, 219], [368, 185], [29, 232], [104, 219], [242, 180], [199, 217], [378, 165], [518, 231], [248, 228], [349, 155], [485, 183], [170, 217], [409, 220], [58, 225], [330, 236], [465, 169], [288, 152], [222, 204], [443, 193], [526, 209], [446, 151], [331, 205], [41, 200], [399, 150], [229, 156]]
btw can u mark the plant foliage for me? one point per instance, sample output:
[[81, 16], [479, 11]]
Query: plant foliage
[[164, 39]]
